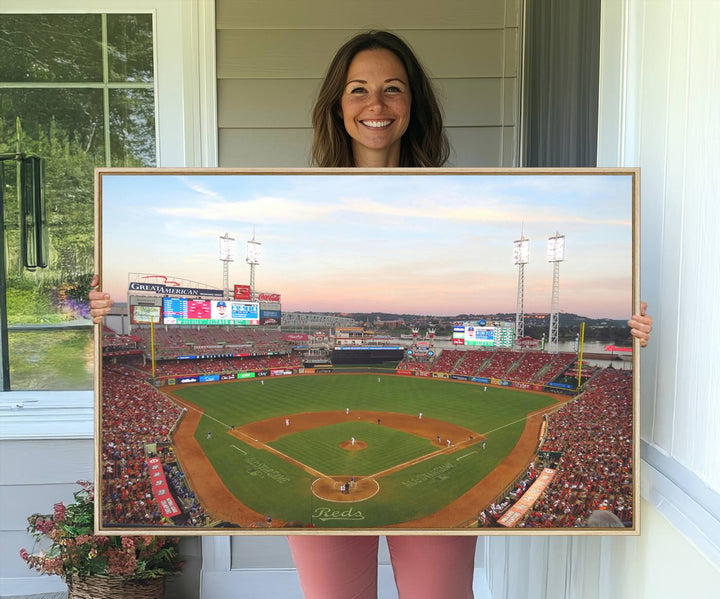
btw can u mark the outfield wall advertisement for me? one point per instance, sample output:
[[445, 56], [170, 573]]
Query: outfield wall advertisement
[[214, 378], [485, 381]]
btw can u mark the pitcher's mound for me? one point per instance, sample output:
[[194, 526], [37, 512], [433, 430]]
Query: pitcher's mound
[[350, 447]]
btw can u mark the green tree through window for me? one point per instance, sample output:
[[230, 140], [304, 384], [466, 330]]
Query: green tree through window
[[79, 91]]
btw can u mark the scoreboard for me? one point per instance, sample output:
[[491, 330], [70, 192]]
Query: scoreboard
[[484, 334], [178, 310]]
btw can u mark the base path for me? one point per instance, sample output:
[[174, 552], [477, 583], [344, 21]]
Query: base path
[[214, 496], [272, 429], [468, 505]]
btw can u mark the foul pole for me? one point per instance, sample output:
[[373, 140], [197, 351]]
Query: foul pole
[[580, 353]]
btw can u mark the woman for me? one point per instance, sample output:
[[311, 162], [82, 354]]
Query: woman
[[347, 103], [377, 108]]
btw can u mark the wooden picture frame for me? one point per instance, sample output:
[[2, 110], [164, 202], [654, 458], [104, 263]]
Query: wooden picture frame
[[413, 353]]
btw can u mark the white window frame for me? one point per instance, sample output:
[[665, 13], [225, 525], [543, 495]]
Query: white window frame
[[186, 130]]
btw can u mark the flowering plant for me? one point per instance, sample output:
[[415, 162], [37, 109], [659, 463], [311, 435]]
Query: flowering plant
[[75, 552]]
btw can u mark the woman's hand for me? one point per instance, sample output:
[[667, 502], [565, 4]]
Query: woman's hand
[[641, 325], [100, 303]]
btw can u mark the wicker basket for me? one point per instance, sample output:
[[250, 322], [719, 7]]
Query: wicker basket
[[116, 587]]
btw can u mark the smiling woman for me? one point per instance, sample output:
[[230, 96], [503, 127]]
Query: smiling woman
[[385, 80], [375, 107]]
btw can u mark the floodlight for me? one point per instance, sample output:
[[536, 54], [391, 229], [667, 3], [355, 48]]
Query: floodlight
[[227, 248], [556, 248], [521, 251], [254, 252]]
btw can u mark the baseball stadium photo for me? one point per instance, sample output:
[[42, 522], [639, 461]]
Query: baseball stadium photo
[[364, 351]]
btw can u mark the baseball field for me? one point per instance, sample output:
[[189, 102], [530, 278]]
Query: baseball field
[[285, 447]]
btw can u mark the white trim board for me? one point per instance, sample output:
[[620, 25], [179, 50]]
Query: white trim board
[[688, 504], [46, 415]]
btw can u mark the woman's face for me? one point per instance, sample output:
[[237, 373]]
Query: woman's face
[[375, 107]]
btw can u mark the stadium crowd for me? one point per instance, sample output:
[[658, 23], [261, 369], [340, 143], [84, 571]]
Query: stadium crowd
[[173, 341], [502, 362], [594, 435], [447, 360], [135, 416], [532, 365], [223, 365], [527, 366], [590, 442], [472, 362], [558, 366]]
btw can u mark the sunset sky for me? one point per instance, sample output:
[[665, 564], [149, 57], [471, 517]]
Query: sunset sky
[[439, 244]]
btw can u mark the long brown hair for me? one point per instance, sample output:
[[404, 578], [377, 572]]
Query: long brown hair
[[423, 144]]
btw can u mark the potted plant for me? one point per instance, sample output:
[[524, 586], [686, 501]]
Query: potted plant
[[97, 566]]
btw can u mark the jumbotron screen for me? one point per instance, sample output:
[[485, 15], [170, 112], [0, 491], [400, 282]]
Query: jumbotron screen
[[484, 334], [178, 310]]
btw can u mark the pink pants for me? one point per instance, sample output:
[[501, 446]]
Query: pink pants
[[425, 567]]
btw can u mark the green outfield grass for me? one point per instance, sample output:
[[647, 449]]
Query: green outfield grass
[[271, 485]]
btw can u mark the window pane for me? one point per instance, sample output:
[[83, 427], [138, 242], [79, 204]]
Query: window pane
[[130, 48], [50, 334], [40, 48], [132, 127], [51, 360], [65, 128], [53, 118]]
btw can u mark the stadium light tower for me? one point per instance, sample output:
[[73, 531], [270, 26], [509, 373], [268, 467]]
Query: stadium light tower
[[521, 256], [254, 257], [227, 255], [555, 254]]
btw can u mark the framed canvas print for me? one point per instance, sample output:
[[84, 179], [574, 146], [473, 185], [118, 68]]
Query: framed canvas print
[[367, 351]]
